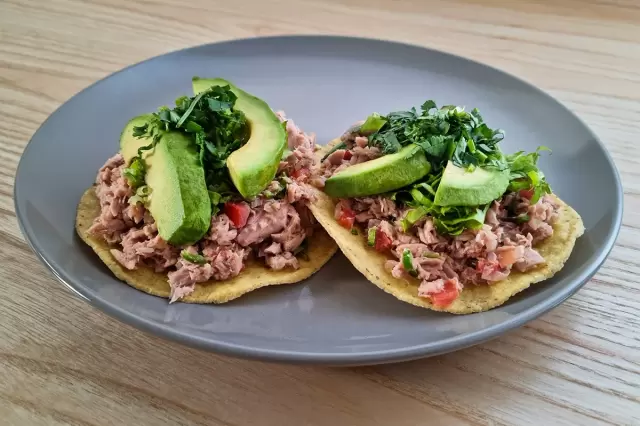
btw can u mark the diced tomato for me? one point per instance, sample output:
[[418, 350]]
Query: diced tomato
[[347, 217], [526, 193], [448, 294], [238, 213], [300, 173], [347, 155], [383, 241]]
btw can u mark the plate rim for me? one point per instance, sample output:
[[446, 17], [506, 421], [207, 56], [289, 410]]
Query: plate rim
[[457, 342]]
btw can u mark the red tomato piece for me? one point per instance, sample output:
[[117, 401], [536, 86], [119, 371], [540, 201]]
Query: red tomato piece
[[447, 295], [347, 155], [300, 173], [526, 193], [238, 213], [347, 217], [383, 241]]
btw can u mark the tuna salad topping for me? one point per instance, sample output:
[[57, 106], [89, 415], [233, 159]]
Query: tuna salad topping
[[476, 256], [433, 191], [271, 227]]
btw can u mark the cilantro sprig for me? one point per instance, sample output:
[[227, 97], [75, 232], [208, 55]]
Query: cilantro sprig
[[446, 133]]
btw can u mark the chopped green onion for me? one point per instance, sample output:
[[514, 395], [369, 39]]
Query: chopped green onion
[[354, 231], [371, 236], [193, 258], [471, 145], [407, 263], [135, 173]]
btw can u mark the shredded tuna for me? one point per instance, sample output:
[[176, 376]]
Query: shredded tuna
[[227, 264], [340, 206], [264, 221], [299, 192], [427, 233], [350, 135], [376, 207], [492, 216], [114, 192], [362, 155], [293, 235], [302, 145], [361, 141], [428, 288], [335, 158], [530, 258], [273, 248], [143, 246], [281, 261], [396, 269], [222, 230], [481, 256], [508, 255], [182, 281], [340, 159]]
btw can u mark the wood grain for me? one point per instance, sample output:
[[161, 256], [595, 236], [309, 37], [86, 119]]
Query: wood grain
[[64, 363]]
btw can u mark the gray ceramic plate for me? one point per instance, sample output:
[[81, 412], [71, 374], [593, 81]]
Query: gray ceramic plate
[[324, 84]]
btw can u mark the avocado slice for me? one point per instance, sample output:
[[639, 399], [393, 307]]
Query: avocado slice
[[253, 166], [460, 187], [179, 200], [381, 175]]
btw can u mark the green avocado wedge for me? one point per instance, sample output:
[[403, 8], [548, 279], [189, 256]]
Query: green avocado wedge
[[254, 165], [178, 202], [381, 175], [460, 187]]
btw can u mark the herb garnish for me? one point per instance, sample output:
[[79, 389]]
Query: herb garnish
[[452, 134], [446, 133], [216, 128]]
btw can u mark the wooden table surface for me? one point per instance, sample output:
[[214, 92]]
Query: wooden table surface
[[63, 362]]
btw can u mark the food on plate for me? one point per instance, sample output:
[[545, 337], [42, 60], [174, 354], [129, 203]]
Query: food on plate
[[208, 200], [427, 206]]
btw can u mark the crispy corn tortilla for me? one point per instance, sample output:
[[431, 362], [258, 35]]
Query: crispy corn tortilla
[[254, 276], [555, 250]]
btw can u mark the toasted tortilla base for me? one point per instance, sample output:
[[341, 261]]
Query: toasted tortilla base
[[473, 298], [254, 276]]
